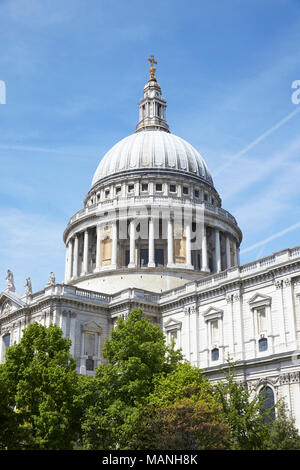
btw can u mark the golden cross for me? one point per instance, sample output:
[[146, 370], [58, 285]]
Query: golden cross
[[152, 60]]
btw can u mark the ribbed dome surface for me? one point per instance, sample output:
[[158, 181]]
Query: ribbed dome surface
[[152, 150]]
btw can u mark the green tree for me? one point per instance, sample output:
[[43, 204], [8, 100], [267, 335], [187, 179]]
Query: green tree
[[40, 378], [182, 413], [183, 425], [136, 355], [186, 381], [244, 411], [283, 434]]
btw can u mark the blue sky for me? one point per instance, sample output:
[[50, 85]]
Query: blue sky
[[74, 72]]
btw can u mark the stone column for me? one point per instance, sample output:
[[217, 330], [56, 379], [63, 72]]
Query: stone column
[[114, 253], [70, 258], [67, 262], [170, 243], [217, 251], [228, 257], [204, 261], [235, 254], [151, 248], [132, 263], [98, 248], [86, 252], [75, 256], [188, 246]]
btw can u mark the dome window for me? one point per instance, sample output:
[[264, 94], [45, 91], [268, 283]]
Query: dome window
[[205, 197], [185, 190], [172, 188], [118, 190], [144, 187], [197, 193], [158, 187], [131, 188], [107, 192]]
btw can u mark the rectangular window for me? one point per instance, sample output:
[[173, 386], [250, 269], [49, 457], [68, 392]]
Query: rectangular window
[[262, 320], [89, 344], [107, 192], [6, 340], [172, 188], [185, 190], [89, 363], [144, 257], [214, 325], [131, 188], [196, 193], [205, 197], [126, 257], [144, 187], [158, 186], [118, 190], [159, 257]]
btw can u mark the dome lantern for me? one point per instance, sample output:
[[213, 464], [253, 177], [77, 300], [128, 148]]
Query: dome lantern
[[153, 106]]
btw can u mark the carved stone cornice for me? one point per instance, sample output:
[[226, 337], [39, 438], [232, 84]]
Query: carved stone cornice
[[289, 378]]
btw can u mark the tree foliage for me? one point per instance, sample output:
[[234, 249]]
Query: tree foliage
[[143, 397], [40, 381], [136, 354], [244, 411], [182, 413], [283, 434]]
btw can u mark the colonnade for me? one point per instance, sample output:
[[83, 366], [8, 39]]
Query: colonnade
[[231, 257]]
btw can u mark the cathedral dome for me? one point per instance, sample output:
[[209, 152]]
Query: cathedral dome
[[152, 150]]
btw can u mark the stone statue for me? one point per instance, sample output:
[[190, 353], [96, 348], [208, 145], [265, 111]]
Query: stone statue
[[10, 285], [28, 287], [51, 280]]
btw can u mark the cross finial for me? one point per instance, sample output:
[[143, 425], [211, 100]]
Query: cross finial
[[152, 68]]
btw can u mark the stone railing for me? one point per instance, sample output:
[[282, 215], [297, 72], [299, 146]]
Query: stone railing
[[150, 199], [232, 273]]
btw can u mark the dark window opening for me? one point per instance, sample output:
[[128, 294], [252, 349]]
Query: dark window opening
[[144, 257], [263, 344], [172, 188], [89, 363], [6, 340], [127, 257], [159, 257], [158, 186], [269, 402], [215, 354]]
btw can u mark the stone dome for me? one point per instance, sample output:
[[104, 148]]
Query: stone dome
[[152, 150]]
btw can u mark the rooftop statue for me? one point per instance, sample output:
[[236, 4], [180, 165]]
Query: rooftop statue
[[10, 285]]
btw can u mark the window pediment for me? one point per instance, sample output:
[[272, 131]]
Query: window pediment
[[8, 304], [172, 324], [212, 313], [259, 300], [92, 326]]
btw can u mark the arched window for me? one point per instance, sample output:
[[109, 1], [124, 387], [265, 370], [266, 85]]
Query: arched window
[[268, 395], [215, 354]]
